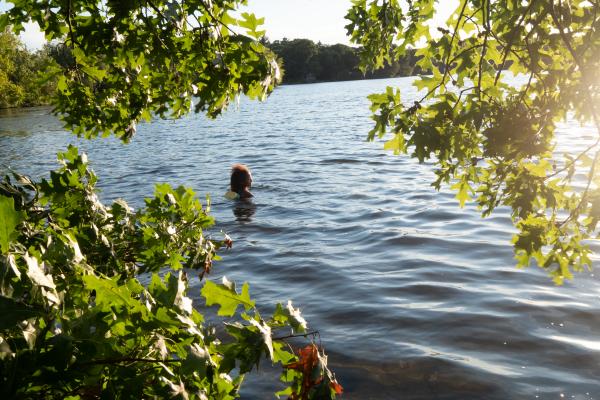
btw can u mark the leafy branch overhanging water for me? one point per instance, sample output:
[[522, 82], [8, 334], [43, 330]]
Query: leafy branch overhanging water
[[491, 141]]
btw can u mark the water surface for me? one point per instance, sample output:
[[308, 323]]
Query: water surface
[[414, 298]]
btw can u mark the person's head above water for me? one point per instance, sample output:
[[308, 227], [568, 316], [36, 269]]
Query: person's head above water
[[241, 180]]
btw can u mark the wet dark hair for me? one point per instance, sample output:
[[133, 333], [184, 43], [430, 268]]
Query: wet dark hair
[[239, 177]]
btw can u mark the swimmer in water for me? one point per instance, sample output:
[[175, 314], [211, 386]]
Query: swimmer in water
[[241, 181]]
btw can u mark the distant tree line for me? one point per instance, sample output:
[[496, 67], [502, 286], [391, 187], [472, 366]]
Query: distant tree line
[[305, 61], [21, 83]]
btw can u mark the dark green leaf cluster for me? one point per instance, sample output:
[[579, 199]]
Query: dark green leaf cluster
[[133, 60], [77, 322], [494, 140]]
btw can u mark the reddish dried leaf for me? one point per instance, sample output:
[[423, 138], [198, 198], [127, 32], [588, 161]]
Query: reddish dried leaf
[[308, 360], [313, 367], [336, 387]]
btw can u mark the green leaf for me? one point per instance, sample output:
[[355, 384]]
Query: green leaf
[[226, 297], [463, 193], [9, 219], [287, 392], [396, 144], [4, 21], [96, 73], [61, 85], [425, 82], [251, 23], [539, 169], [109, 293], [290, 315], [281, 355]]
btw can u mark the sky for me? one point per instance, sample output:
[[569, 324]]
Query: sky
[[319, 20]]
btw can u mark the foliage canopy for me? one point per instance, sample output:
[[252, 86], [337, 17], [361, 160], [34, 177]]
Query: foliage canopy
[[138, 59], [491, 140]]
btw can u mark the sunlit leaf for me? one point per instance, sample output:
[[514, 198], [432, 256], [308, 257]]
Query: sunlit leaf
[[9, 219], [226, 296]]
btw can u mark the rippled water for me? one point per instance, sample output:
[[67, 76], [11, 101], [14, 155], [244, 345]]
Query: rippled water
[[414, 298]]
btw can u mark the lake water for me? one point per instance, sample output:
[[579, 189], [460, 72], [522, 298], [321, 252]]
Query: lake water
[[413, 297]]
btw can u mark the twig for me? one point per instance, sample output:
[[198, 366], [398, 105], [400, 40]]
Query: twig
[[486, 22], [111, 361], [447, 62], [454, 33], [511, 40], [312, 333], [71, 34], [460, 96], [154, 30]]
